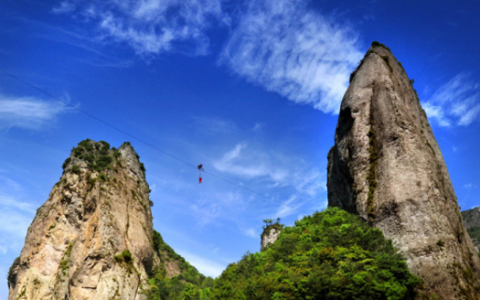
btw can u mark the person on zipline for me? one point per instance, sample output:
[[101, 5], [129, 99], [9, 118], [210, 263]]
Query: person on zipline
[[200, 169]]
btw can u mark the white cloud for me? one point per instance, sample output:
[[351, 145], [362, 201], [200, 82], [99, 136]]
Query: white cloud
[[220, 205], [252, 164], [204, 265], [280, 171], [215, 126], [258, 126], [287, 208], [28, 112], [11, 202], [250, 232], [152, 27], [64, 7], [13, 229], [456, 102], [294, 51], [14, 185], [14, 223]]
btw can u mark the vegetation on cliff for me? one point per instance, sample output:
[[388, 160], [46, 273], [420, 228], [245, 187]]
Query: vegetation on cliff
[[471, 218], [329, 255], [175, 278]]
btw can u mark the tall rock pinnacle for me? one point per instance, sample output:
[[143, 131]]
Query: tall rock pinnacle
[[92, 238], [386, 167]]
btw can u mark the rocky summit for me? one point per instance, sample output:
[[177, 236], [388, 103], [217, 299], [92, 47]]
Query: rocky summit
[[92, 239], [387, 167]]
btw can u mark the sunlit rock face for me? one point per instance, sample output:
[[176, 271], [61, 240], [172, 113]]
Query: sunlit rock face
[[386, 167], [270, 235], [92, 239]]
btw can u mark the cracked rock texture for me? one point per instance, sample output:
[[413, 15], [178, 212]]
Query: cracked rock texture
[[386, 167], [73, 248]]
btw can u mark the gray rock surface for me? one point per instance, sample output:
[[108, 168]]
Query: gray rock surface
[[270, 235], [74, 246], [386, 167]]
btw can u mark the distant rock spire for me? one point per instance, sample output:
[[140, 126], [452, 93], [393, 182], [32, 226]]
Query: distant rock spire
[[386, 167]]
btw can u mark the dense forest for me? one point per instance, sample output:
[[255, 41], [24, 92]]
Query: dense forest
[[329, 255]]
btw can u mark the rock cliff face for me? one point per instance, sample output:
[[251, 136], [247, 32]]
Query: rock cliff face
[[386, 167], [471, 220], [270, 235], [92, 239]]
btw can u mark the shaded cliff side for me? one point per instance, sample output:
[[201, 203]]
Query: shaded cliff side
[[471, 220], [386, 167], [93, 237]]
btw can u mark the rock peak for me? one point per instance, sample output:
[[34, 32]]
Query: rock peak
[[92, 239], [387, 167]]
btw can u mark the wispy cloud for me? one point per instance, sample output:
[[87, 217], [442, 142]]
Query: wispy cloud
[[287, 208], [151, 27], [28, 112], [64, 7], [279, 170], [13, 228], [204, 265], [456, 102], [255, 165], [296, 52], [220, 205], [10, 202], [250, 232], [15, 217]]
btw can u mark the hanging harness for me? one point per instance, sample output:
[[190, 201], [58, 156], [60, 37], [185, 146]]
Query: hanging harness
[[200, 169]]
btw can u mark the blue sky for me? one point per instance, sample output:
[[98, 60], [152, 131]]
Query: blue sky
[[251, 89]]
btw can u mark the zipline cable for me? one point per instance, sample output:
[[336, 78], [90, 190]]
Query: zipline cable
[[144, 142]]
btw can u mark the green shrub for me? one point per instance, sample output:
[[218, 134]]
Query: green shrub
[[377, 44], [116, 154], [77, 152], [441, 243], [86, 144], [103, 162], [125, 256], [90, 158], [66, 162], [105, 144], [65, 262], [76, 169], [95, 154], [103, 177]]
